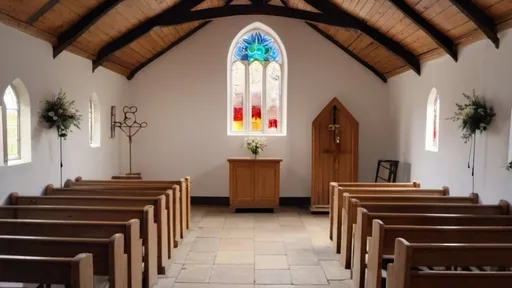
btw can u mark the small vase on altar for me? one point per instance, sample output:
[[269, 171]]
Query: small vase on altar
[[255, 155]]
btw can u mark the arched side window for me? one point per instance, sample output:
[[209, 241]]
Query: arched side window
[[12, 110], [432, 128], [257, 77], [16, 125], [94, 121]]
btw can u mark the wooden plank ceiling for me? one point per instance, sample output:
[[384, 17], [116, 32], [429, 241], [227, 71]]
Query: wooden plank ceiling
[[51, 19]]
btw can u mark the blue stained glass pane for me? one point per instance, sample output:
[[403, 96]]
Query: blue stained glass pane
[[257, 46]]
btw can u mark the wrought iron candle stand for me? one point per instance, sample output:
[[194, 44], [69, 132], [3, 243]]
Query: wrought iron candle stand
[[129, 126]]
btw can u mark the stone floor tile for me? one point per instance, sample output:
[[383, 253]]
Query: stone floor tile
[[273, 277], [334, 271], [298, 244], [165, 283], [234, 257], [200, 257], [308, 275], [271, 262], [237, 233], [205, 245], [232, 274], [209, 232], [174, 270], [236, 244], [269, 248], [302, 258], [195, 273]]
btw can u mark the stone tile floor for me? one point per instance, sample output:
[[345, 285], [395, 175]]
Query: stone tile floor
[[286, 249]]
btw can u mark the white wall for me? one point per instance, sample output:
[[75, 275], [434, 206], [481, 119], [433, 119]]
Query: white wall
[[30, 60], [480, 67], [183, 96]]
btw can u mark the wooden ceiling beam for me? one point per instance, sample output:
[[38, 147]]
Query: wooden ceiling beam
[[391, 45], [166, 49], [483, 21], [46, 7], [66, 38], [145, 27], [443, 41], [348, 51]]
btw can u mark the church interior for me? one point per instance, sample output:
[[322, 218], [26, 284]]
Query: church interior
[[255, 143]]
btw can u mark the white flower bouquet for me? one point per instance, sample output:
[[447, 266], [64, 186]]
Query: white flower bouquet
[[255, 145], [61, 113]]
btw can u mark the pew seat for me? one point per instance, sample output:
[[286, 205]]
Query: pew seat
[[73, 272]]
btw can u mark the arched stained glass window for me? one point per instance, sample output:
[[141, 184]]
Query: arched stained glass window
[[12, 109], [256, 102], [432, 129]]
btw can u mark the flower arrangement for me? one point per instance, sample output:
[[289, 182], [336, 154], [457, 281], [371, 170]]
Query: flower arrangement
[[255, 145], [61, 113], [473, 116]]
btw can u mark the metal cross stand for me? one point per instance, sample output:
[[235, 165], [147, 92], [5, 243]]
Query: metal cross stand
[[129, 126]]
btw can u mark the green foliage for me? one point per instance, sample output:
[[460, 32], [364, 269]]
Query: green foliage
[[509, 167], [473, 116], [61, 113]]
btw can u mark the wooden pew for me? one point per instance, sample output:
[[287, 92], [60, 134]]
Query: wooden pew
[[382, 242], [142, 185], [108, 254], [349, 213], [172, 203], [86, 229], [114, 214], [160, 217], [408, 256], [183, 183], [334, 185], [365, 219], [126, 177], [76, 272], [338, 203]]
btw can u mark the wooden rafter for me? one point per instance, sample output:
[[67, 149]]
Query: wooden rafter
[[443, 41], [166, 49], [346, 50], [391, 45], [46, 7], [483, 21], [145, 27], [80, 27]]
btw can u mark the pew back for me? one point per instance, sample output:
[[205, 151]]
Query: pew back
[[86, 229], [116, 214], [407, 256], [349, 213], [382, 242], [108, 254], [365, 221], [76, 272]]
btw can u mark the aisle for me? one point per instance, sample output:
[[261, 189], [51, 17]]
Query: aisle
[[289, 248]]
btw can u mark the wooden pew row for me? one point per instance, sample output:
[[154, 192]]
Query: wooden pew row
[[349, 213], [126, 177], [108, 254], [76, 272], [137, 185], [114, 214], [86, 229], [334, 185], [408, 256], [338, 203], [183, 183], [160, 214], [172, 203], [382, 243], [364, 230], [429, 208]]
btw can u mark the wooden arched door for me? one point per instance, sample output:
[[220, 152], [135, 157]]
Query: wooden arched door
[[334, 151]]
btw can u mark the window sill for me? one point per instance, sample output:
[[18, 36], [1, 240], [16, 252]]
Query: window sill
[[17, 162], [94, 145], [256, 135]]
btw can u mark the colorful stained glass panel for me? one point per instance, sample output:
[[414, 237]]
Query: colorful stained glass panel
[[256, 90], [257, 46], [238, 92], [273, 94]]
